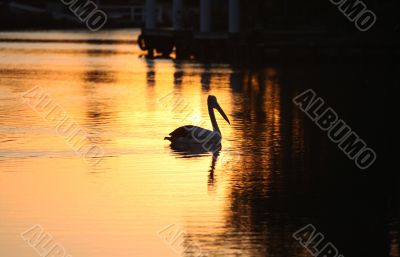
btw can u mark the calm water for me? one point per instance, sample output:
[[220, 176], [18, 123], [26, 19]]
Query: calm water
[[275, 173]]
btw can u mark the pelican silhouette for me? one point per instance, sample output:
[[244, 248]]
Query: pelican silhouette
[[191, 135]]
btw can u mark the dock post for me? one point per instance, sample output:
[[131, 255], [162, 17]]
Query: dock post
[[205, 15], [150, 14], [177, 9], [234, 16]]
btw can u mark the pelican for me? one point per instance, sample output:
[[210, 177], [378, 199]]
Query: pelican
[[190, 134]]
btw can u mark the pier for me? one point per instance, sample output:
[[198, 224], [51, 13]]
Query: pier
[[243, 43]]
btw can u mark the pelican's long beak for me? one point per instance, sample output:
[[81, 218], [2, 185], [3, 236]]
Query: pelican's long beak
[[218, 107]]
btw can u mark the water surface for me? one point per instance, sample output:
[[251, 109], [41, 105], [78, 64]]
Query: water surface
[[276, 171]]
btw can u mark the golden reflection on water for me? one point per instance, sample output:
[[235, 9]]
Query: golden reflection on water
[[141, 185]]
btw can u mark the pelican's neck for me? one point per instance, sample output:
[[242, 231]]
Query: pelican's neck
[[213, 120]]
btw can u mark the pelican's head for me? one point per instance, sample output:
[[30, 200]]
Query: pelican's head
[[213, 103]]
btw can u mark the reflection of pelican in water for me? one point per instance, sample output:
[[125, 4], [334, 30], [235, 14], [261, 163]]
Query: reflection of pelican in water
[[193, 138], [193, 150], [197, 150]]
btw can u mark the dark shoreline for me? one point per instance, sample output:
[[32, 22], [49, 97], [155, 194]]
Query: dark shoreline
[[62, 28]]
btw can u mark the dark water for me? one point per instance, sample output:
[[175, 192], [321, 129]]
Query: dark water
[[277, 171]]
